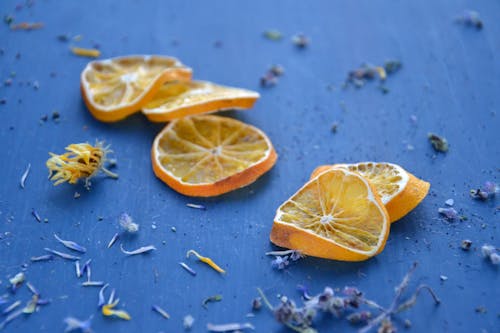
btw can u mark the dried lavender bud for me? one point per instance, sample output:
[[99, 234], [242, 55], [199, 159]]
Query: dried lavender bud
[[439, 143], [285, 311], [256, 304], [392, 66], [466, 244], [359, 317]]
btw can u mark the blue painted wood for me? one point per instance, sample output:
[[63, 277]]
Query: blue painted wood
[[449, 81]]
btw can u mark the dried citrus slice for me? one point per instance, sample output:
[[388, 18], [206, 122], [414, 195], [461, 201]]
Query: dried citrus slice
[[399, 190], [337, 215], [115, 88], [180, 99], [210, 155]]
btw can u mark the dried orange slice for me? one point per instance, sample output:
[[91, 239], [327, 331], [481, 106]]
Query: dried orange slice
[[115, 88], [180, 99], [399, 190], [336, 215], [210, 155]]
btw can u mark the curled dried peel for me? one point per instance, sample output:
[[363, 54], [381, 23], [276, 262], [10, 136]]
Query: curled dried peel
[[400, 191], [181, 99], [115, 88], [210, 155], [336, 215]]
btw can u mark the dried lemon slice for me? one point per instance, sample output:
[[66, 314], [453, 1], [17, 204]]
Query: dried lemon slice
[[336, 215], [399, 190], [115, 88], [180, 99], [210, 155]]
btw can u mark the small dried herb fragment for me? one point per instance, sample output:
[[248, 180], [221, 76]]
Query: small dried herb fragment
[[300, 40], [27, 26], [273, 34], [439, 143], [214, 298], [470, 18]]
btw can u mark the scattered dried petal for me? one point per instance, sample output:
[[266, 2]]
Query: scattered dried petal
[[141, 250], [449, 202], [206, 260], [162, 312], [93, 284], [17, 281], [195, 206], [82, 52], [36, 216], [10, 318], [101, 295], [108, 310], [25, 175], [229, 327], [11, 307], [71, 245], [187, 268], [31, 305], [42, 258], [62, 254], [74, 324], [113, 240]]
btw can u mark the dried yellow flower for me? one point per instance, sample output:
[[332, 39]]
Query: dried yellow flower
[[82, 160]]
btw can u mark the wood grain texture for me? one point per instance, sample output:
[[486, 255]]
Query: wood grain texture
[[450, 81]]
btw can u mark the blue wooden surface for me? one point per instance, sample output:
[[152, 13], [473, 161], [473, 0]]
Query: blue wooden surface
[[450, 81]]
